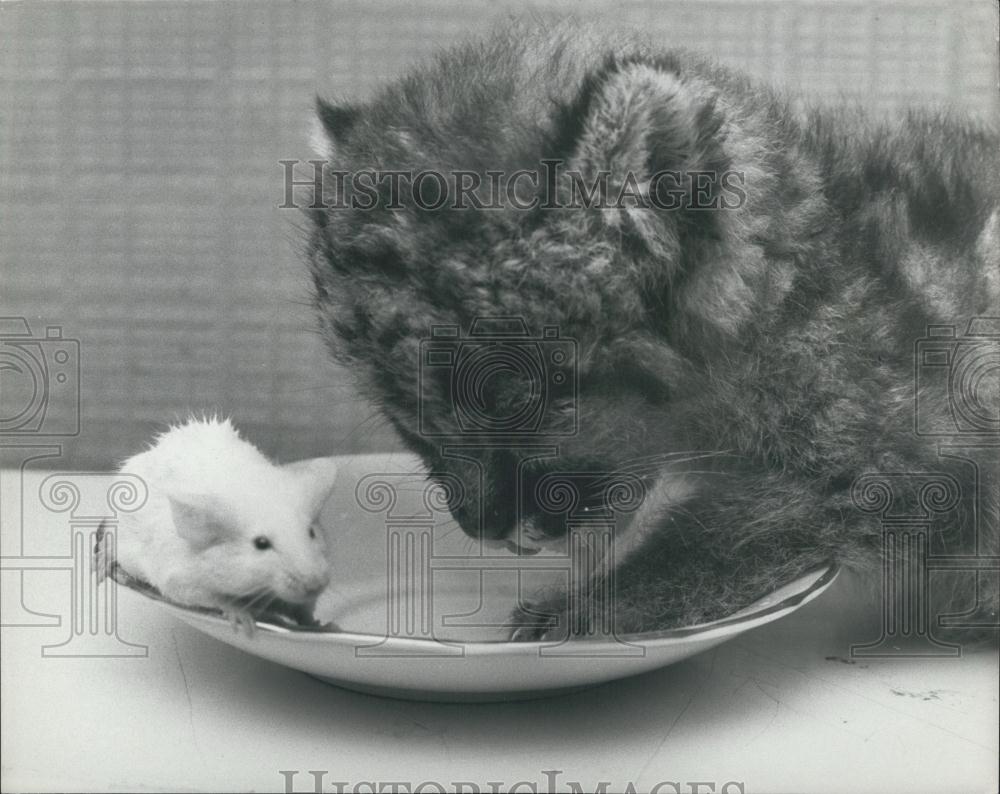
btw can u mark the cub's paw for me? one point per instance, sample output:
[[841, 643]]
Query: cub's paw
[[531, 623]]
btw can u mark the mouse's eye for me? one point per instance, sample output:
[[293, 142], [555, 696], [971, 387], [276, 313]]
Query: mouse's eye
[[312, 532], [262, 543]]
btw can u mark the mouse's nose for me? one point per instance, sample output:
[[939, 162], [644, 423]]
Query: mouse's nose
[[315, 582]]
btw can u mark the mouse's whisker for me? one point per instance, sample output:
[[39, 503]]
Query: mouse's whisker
[[250, 599], [261, 602]]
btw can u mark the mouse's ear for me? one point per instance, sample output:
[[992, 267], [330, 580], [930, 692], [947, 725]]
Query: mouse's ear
[[316, 477], [198, 519]]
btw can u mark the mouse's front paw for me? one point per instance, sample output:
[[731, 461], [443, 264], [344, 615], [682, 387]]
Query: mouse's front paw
[[102, 560], [241, 620]]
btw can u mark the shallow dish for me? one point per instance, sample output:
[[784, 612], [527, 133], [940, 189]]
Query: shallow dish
[[463, 671], [421, 608]]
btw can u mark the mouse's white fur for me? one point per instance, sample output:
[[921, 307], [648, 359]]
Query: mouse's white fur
[[211, 494]]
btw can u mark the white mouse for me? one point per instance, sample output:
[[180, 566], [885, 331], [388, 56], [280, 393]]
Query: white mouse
[[224, 527]]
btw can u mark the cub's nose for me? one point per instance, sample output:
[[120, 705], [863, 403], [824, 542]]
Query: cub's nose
[[488, 508], [493, 518]]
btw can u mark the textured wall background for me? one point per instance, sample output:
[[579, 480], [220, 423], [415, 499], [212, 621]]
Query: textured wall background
[[139, 148]]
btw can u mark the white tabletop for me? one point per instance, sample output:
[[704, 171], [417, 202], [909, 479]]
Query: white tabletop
[[783, 708]]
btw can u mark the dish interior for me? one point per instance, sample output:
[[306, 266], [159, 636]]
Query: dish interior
[[420, 608]]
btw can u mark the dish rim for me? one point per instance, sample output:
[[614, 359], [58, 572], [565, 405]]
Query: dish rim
[[825, 576]]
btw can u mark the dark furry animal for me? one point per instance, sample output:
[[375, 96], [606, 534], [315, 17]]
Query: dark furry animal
[[748, 352]]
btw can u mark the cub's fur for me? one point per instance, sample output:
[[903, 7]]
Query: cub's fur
[[748, 362]]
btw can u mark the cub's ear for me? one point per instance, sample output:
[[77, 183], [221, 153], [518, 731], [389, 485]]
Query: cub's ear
[[644, 127], [334, 123], [199, 519], [641, 118], [316, 478]]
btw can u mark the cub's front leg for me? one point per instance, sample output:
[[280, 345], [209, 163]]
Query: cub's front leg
[[600, 608], [714, 555]]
